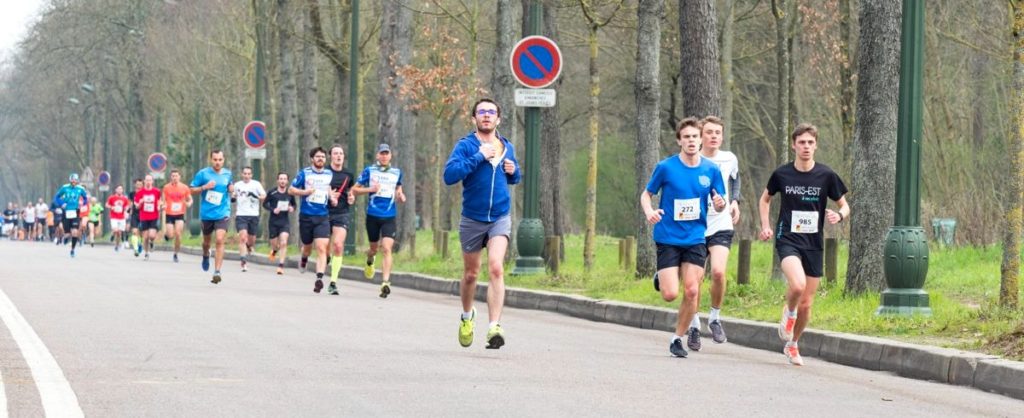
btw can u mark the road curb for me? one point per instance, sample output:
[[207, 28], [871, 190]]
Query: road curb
[[963, 368]]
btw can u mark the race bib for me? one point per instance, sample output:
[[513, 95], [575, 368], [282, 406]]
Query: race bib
[[804, 222], [318, 197], [214, 198], [117, 209], [282, 205], [148, 207], [388, 184], [71, 214], [686, 209], [176, 207]]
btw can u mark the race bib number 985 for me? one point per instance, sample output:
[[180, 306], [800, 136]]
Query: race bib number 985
[[804, 222]]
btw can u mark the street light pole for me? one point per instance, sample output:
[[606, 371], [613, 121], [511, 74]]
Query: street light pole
[[906, 247], [353, 105], [530, 234]]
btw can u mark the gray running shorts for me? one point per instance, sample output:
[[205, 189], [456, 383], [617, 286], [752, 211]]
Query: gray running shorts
[[473, 235]]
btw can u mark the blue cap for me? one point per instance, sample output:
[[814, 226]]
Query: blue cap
[[383, 148]]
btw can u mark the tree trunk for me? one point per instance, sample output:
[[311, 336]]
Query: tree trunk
[[340, 63], [503, 92], [874, 144], [396, 125], [781, 13], [595, 131], [648, 98], [1009, 269], [700, 67], [846, 86], [552, 205], [437, 184], [309, 116], [288, 116], [728, 83]]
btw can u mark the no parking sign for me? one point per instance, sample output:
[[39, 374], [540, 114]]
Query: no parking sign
[[255, 136], [536, 62], [157, 163]]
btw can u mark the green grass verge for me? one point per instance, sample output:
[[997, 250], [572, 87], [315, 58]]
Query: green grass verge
[[963, 284]]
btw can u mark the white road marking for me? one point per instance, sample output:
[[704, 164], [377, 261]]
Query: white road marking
[[58, 398], [3, 397]]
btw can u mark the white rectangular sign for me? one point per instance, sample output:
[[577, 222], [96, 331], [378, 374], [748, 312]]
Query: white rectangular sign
[[535, 97], [256, 154], [105, 188], [157, 175]]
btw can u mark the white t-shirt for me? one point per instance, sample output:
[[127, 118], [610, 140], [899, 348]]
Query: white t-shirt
[[41, 210], [30, 213], [730, 166], [247, 205]]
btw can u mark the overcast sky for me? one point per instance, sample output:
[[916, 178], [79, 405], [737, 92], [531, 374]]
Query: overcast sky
[[15, 18]]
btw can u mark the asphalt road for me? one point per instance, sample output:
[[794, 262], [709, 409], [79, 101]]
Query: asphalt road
[[154, 338]]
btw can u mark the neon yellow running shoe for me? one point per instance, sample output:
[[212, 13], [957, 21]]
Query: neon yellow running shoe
[[466, 329], [368, 270], [495, 337]]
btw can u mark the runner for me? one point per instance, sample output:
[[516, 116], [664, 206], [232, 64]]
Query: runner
[[214, 182], [719, 234], [118, 205], [804, 185], [42, 215], [281, 205], [384, 184], [83, 214], [50, 224], [148, 203], [313, 184], [177, 199], [69, 197], [341, 183], [689, 186], [95, 213], [135, 239], [478, 160], [10, 219], [58, 222], [28, 220], [249, 194]]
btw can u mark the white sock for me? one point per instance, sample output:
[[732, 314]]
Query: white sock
[[695, 323], [467, 315], [790, 314], [492, 324], [790, 343], [674, 338], [714, 314]]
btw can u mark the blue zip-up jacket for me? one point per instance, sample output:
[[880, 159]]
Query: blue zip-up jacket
[[485, 187]]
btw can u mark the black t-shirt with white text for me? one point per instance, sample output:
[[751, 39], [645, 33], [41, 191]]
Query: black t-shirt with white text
[[802, 217], [341, 179], [272, 202]]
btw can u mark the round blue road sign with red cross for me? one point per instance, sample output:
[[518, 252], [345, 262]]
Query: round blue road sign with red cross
[[104, 178], [157, 162], [255, 134], [536, 62]]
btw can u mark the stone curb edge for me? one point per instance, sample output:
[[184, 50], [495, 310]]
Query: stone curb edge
[[963, 368]]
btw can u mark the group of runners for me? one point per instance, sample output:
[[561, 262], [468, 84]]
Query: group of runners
[[699, 192], [41, 222], [326, 192]]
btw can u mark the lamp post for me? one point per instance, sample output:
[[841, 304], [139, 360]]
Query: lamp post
[[530, 234], [906, 248]]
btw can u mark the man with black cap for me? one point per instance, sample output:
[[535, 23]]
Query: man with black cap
[[383, 183]]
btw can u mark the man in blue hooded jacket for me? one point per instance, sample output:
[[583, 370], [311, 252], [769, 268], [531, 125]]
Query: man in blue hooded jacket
[[486, 165]]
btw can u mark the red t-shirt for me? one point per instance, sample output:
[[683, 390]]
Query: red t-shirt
[[148, 201], [118, 206]]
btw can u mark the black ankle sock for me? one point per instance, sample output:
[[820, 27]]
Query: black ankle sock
[[74, 242], [319, 275]]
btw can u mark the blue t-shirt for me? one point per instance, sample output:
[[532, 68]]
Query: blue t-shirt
[[685, 192], [71, 195], [382, 203], [215, 203], [316, 203]]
